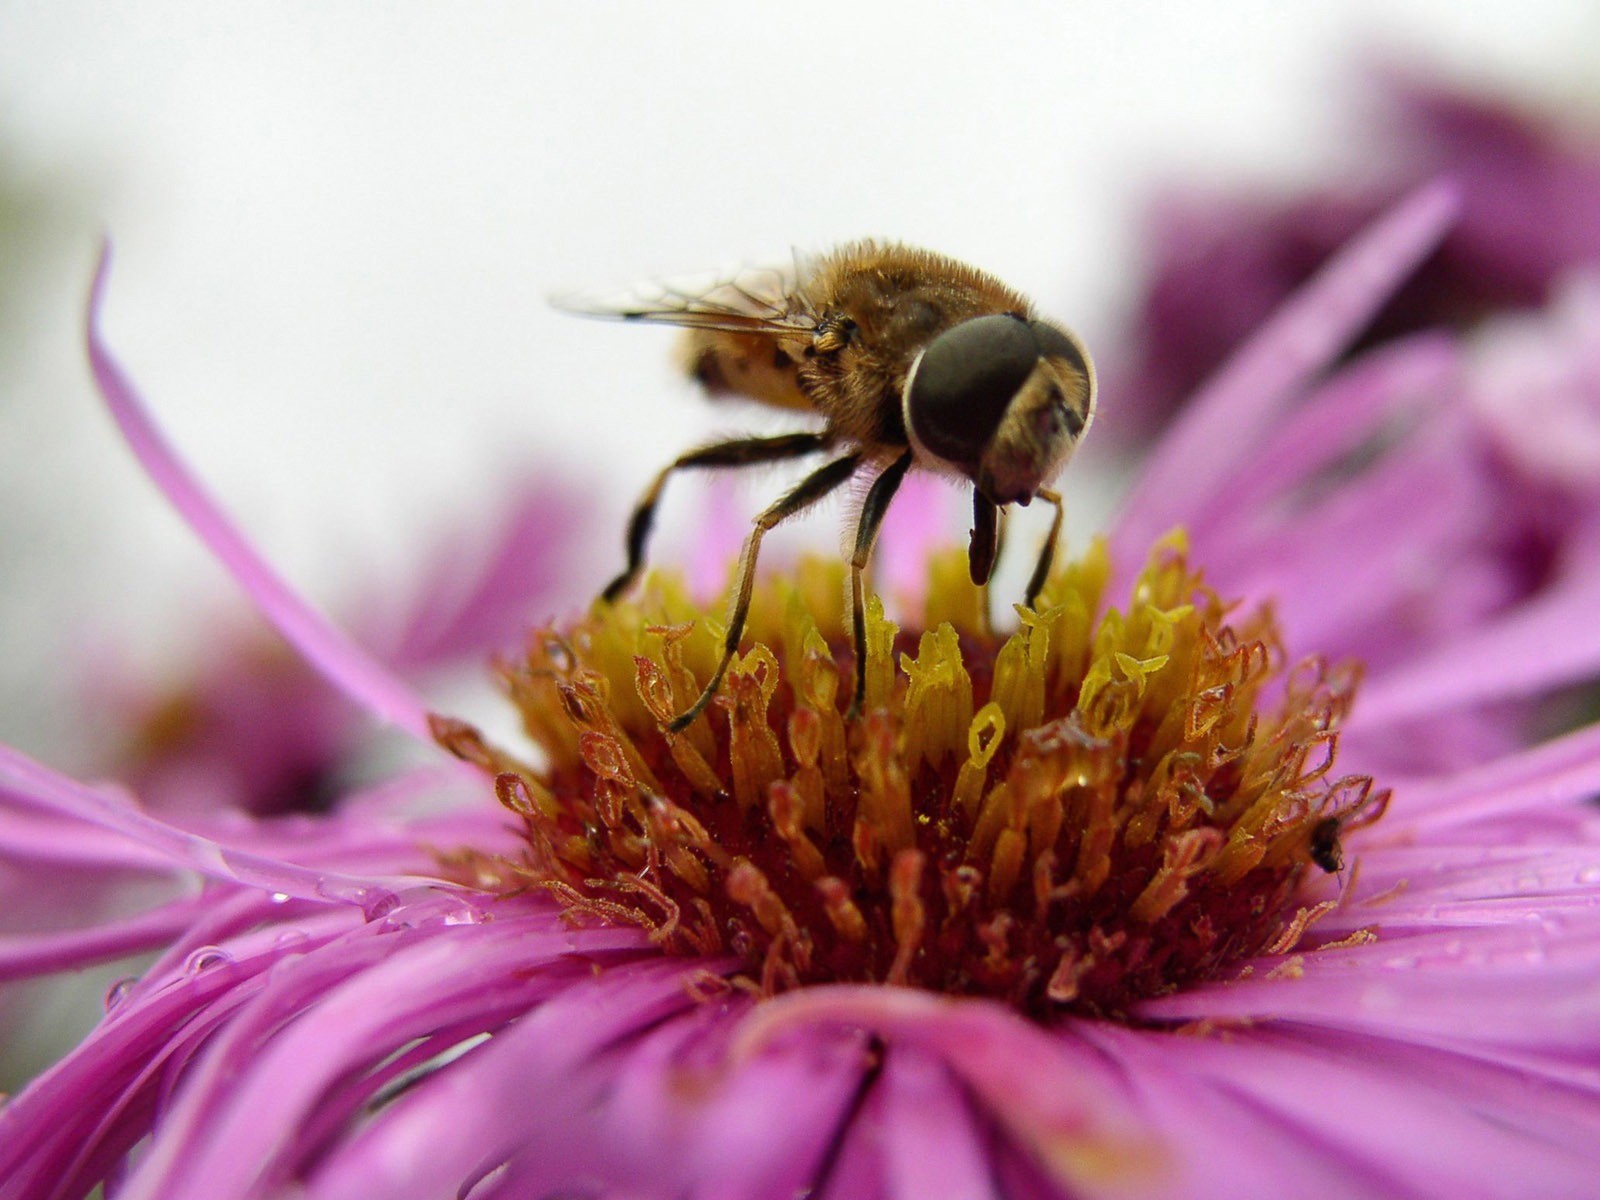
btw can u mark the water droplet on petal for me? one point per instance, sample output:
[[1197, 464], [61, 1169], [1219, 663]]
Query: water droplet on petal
[[290, 938], [206, 958], [118, 991], [378, 904], [279, 897]]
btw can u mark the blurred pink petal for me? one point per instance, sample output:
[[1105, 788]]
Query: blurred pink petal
[[1205, 447], [1222, 262]]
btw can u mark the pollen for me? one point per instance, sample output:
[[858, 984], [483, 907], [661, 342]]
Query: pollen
[[1108, 804]]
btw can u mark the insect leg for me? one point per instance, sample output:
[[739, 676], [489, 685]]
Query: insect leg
[[804, 494], [738, 452], [1047, 554], [872, 511]]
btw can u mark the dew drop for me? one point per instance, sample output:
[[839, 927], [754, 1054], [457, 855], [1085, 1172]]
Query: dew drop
[[462, 914], [291, 938], [206, 958], [559, 654], [378, 904], [279, 897], [118, 991]]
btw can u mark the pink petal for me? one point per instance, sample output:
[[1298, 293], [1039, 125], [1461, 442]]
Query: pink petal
[[1233, 1146], [344, 663], [471, 604], [1550, 640], [1219, 429], [1365, 550], [1557, 773], [1045, 1092], [98, 808], [1388, 1119], [1408, 377], [27, 955], [560, 1049], [243, 1115], [1490, 975], [933, 1137]]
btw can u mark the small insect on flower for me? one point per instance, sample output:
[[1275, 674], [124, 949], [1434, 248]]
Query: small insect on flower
[[1326, 849], [912, 360]]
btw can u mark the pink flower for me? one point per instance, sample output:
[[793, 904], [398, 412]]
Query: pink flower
[[424, 994]]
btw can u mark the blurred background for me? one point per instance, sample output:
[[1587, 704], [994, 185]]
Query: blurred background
[[336, 227]]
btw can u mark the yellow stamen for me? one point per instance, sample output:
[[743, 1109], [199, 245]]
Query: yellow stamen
[[1096, 808]]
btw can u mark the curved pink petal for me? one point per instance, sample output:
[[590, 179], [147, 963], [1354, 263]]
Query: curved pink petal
[[1221, 425], [343, 662], [46, 789], [1362, 552]]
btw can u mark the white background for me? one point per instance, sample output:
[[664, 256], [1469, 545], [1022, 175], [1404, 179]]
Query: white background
[[336, 224]]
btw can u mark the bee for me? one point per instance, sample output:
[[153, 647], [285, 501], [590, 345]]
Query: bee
[[910, 360]]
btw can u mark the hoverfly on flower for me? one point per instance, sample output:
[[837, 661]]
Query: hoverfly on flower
[[911, 359]]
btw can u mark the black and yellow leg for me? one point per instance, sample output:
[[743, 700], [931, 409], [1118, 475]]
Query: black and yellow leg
[[872, 511], [739, 452], [804, 494], [1047, 553]]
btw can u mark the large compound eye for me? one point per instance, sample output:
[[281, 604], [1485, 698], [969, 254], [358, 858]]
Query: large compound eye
[[963, 383], [1055, 344]]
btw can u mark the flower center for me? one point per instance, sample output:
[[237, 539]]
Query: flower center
[[1098, 808]]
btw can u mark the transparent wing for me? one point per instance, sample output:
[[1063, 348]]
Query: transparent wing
[[745, 300]]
